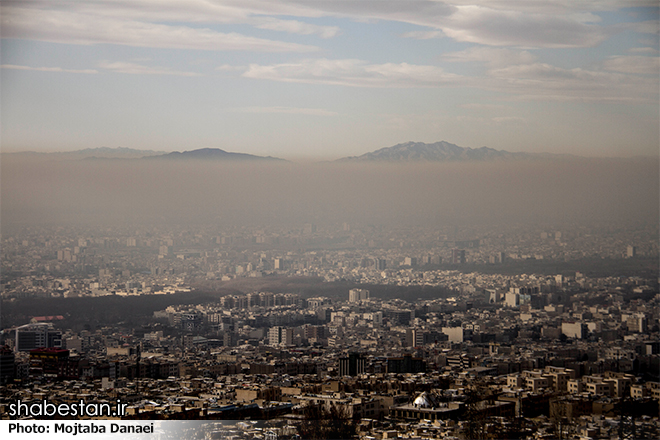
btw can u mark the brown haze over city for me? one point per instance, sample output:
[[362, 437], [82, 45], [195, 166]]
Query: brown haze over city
[[324, 80], [120, 192]]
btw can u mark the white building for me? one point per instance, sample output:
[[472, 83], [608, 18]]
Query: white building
[[455, 334], [280, 336], [577, 330], [357, 295]]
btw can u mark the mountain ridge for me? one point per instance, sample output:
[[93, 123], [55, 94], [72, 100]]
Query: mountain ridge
[[210, 154], [123, 153], [441, 151], [88, 153], [412, 152]]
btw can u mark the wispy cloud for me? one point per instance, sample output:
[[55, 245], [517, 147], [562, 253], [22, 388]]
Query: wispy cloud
[[286, 110], [493, 57], [644, 27], [643, 65], [494, 27], [479, 106], [423, 35], [554, 24], [231, 68], [544, 81], [82, 27], [146, 23], [354, 73], [296, 27], [537, 81], [139, 69], [48, 69], [505, 119], [650, 50], [518, 72]]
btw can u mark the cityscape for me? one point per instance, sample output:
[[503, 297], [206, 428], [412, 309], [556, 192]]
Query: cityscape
[[383, 332], [341, 220]]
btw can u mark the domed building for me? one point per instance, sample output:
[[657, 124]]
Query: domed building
[[426, 400], [427, 406]]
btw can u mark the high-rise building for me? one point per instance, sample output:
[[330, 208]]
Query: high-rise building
[[406, 364], [637, 323], [410, 261], [401, 317], [315, 332], [577, 330], [40, 335], [6, 365], [352, 365], [458, 256], [414, 337], [266, 299], [380, 264], [191, 321], [357, 295], [512, 299], [52, 363], [280, 336], [454, 334]]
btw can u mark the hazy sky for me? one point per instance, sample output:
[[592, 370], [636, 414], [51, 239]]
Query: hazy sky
[[326, 79]]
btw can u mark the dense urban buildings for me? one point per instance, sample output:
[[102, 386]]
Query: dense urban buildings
[[363, 326]]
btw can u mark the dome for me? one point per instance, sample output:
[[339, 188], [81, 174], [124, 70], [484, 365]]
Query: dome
[[425, 400]]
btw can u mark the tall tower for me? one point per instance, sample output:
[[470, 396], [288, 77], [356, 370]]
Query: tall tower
[[352, 365], [458, 256]]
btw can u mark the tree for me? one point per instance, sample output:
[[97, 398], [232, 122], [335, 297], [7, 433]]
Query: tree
[[475, 419], [559, 416], [322, 422], [627, 411]]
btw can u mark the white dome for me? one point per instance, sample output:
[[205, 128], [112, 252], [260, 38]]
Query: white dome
[[425, 400]]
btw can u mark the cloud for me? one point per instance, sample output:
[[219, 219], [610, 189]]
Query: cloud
[[423, 35], [296, 27], [494, 57], [287, 110], [230, 68], [504, 119], [479, 106], [544, 81], [138, 69], [48, 69], [487, 26], [643, 50], [496, 23], [354, 73], [525, 23], [522, 81], [558, 6], [634, 64], [644, 27], [76, 27]]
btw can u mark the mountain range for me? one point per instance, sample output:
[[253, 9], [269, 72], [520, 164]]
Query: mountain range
[[437, 152], [88, 153], [406, 152], [210, 154]]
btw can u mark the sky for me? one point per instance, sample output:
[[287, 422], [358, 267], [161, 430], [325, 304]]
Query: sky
[[327, 79]]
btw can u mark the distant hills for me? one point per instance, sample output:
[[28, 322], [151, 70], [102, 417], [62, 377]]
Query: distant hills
[[438, 152], [88, 153], [407, 152], [211, 154], [105, 153]]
